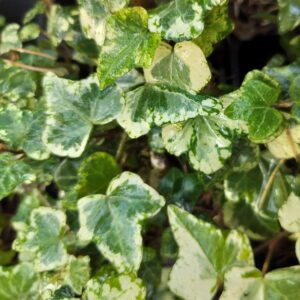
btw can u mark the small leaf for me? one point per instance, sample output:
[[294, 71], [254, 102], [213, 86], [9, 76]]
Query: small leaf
[[128, 45], [73, 107], [38, 8], [95, 174], [18, 282], [113, 221], [154, 105], [294, 90], [43, 239], [205, 255], [116, 287], [29, 32], [289, 15], [249, 283], [13, 172], [184, 66], [10, 38], [253, 104]]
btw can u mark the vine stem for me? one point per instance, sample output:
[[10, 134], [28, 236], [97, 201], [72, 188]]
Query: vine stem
[[32, 52], [121, 147], [269, 183]]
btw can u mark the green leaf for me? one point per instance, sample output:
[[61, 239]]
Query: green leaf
[[94, 15], [113, 221], [117, 287], [217, 25], [10, 38], [154, 105], [180, 19], [128, 44], [95, 174], [253, 102], [43, 238], [289, 15], [130, 80], [249, 283], [73, 107], [13, 172], [184, 66], [294, 90], [22, 130], [38, 8], [207, 140], [205, 255], [29, 32], [19, 283]]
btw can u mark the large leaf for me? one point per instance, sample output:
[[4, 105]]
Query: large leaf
[[73, 107], [184, 66], [13, 172], [43, 238], [249, 283], [128, 44], [180, 20], [19, 283], [289, 14], [116, 287], [205, 255], [95, 174], [113, 221], [207, 140], [253, 102], [154, 105], [22, 129], [217, 25]]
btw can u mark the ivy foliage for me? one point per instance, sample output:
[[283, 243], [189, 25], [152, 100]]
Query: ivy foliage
[[128, 172]]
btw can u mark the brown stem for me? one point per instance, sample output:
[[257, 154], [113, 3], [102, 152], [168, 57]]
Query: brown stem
[[36, 53], [121, 147]]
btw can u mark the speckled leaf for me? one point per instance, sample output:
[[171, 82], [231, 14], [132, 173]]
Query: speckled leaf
[[205, 255], [286, 145], [95, 174], [73, 107], [181, 20], [217, 25], [13, 172], [10, 38], [154, 105], [116, 287], [29, 32], [113, 221], [128, 44], [94, 15], [289, 15], [19, 283], [184, 66], [253, 104], [249, 283], [207, 141], [22, 130], [42, 238]]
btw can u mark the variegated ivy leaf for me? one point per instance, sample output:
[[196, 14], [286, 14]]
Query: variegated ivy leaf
[[289, 15], [289, 218], [10, 38], [94, 15], [128, 44], [19, 283], [95, 174], [73, 107], [206, 254], [217, 25], [29, 32], [286, 145], [184, 66], [22, 129], [113, 221], [116, 287], [206, 141], [38, 8], [130, 80], [253, 102], [13, 172], [43, 238], [181, 20], [249, 283], [154, 105]]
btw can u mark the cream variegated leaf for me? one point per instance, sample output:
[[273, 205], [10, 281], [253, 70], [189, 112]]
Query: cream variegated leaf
[[10, 38], [113, 220], [206, 253], [154, 105], [43, 238], [73, 107], [184, 66]]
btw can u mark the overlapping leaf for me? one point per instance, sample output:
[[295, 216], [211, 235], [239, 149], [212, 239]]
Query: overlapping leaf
[[289, 15], [113, 221]]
